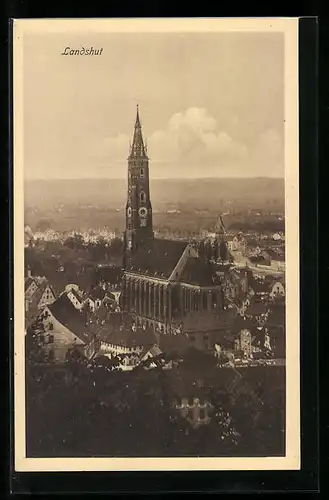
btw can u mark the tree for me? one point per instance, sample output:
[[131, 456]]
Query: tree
[[75, 242], [33, 345], [116, 247]]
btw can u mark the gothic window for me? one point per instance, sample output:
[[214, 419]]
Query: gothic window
[[214, 299], [142, 173], [51, 339], [143, 223], [142, 197]]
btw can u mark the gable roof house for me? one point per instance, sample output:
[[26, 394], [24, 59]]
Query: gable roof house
[[65, 328], [121, 338], [43, 294], [30, 287], [153, 357], [270, 342], [277, 290], [75, 298]]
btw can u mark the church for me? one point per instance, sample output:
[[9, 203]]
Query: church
[[164, 280]]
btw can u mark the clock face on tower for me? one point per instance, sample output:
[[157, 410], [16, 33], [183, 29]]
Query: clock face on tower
[[142, 212]]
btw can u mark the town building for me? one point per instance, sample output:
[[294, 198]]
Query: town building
[[121, 339], [164, 280], [64, 328], [38, 294]]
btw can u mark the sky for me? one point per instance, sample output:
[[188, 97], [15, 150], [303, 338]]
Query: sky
[[211, 104]]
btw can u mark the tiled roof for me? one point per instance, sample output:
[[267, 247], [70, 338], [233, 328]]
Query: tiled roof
[[36, 297], [128, 337], [65, 312], [155, 351], [97, 293], [110, 299], [76, 295], [116, 328], [171, 344], [157, 258], [101, 330], [40, 280], [198, 272], [205, 321], [28, 283], [58, 281]]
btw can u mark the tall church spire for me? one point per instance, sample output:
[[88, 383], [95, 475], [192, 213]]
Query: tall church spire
[[138, 149], [221, 239], [139, 227]]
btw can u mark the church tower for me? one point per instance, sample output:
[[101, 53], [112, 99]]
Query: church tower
[[221, 240], [139, 227]]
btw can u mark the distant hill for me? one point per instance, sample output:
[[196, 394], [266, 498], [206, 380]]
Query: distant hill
[[183, 205], [191, 193]]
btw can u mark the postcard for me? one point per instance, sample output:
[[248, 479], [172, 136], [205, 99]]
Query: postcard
[[156, 244]]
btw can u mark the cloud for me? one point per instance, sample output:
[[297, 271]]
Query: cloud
[[190, 137], [193, 139]]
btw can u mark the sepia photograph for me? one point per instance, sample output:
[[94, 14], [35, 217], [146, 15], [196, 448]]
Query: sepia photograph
[[156, 245]]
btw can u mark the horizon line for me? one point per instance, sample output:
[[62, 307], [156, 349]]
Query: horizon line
[[153, 178]]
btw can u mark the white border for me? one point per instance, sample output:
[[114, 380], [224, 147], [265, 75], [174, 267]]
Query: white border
[[288, 26]]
